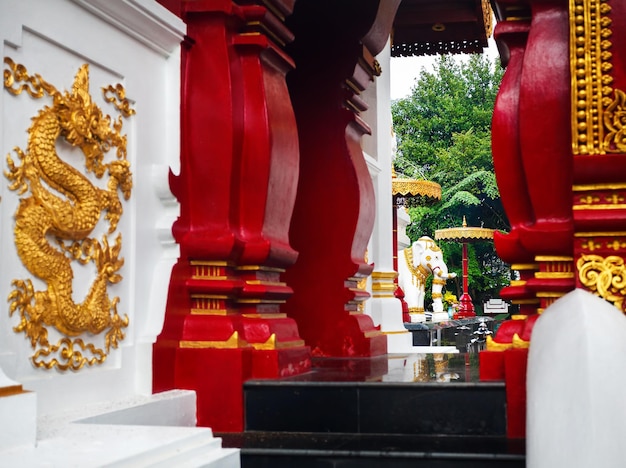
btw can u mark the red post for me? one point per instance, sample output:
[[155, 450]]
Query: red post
[[466, 306]]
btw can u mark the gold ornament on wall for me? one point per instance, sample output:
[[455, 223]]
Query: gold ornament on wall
[[59, 210], [604, 276]]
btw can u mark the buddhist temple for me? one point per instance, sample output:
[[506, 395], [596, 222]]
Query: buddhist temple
[[197, 217]]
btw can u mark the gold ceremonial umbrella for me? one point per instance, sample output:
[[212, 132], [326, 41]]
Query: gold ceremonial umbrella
[[408, 191], [465, 234]]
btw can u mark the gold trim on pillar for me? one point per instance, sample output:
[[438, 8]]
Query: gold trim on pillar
[[596, 107], [265, 283], [524, 266], [381, 275], [202, 269], [518, 283], [261, 301], [207, 304], [550, 294], [553, 258], [260, 268], [272, 344], [554, 275], [231, 343], [591, 241], [383, 285], [604, 276]]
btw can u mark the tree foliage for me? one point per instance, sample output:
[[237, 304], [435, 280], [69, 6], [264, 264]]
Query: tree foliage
[[443, 131]]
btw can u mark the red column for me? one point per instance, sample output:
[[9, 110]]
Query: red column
[[334, 215], [532, 151], [506, 148], [237, 187], [507, 161], [545, 137]]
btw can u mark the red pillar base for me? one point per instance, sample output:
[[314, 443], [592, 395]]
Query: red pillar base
[[466, 307], [267, 364], [219, 401], [491, 366], [509, 366], [515, 363]]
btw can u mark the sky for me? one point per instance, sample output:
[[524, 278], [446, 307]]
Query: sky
[[404, 70]]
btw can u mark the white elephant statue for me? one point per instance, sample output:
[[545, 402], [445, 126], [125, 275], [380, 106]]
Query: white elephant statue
[[415, 264]]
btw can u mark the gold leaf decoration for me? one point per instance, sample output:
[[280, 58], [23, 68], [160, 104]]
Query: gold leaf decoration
[[58, 211], [598, 114], [604, 276]]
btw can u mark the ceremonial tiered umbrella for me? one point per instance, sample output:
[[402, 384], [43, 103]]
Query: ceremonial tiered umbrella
[[413, 192], [408, 193], [465, 234]]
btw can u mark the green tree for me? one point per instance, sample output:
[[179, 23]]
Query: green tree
[[443, 132]]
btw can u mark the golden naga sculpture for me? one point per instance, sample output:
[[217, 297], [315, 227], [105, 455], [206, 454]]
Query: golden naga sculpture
[[58, 211]]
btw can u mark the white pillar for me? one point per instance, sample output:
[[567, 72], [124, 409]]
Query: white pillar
[[576, 411], [383, 307]]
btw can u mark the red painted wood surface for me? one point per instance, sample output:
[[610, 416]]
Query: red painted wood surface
[[545, 135], [237, 188], [531, 138], [534, 165], [335, 208], [506, 150], [259, 190]]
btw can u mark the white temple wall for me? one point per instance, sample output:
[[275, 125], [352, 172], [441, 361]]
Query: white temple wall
[[51, 415], [135, 43]]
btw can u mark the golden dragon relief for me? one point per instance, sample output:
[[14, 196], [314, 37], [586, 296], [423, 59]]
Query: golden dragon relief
[[59, 209]]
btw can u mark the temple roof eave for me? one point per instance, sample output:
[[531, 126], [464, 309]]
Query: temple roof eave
[[427, 27]]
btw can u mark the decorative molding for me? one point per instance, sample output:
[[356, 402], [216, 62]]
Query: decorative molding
[[145, 20]]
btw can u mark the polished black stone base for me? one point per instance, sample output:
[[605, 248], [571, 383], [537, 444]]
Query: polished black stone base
[[276, 450], [377, 407], [390, 411]]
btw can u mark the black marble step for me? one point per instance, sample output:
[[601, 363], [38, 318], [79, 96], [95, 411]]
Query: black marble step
[[277, 450], [394, 411], [339, 396], [376, 407]]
